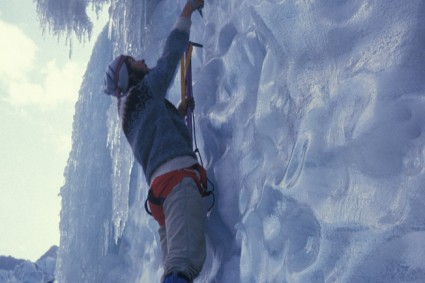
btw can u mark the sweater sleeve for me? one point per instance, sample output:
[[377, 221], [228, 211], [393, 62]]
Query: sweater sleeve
[[161, 76], [183, 24]]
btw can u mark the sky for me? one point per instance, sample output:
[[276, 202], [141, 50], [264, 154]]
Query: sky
[[39, 86]]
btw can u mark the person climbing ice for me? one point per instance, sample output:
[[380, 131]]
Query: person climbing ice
[[162, 144]]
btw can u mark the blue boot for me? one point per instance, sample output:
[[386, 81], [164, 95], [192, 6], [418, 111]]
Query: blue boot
[[176, 277]]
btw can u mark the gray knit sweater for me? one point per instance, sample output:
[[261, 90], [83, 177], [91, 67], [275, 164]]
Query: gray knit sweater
[[154, 128]]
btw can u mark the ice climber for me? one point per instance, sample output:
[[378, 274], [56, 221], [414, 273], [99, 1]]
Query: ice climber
[[162, 144]]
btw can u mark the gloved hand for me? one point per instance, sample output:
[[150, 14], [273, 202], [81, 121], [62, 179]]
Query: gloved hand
[[196, 4], [188, 103]]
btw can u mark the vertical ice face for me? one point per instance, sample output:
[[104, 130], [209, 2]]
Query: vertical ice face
[[309, 116]]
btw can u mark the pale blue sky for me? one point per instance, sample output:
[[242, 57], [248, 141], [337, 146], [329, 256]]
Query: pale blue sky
[[38, 89]]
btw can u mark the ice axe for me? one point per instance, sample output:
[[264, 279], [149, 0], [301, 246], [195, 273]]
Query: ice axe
[[193, 3], [200, 11]]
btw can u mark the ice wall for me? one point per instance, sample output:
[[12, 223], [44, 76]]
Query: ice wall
[[310, 119], [85, 225]]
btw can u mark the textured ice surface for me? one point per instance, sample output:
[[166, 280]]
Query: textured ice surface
[[310, 118]]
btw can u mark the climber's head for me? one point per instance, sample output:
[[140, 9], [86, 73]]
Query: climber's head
[[122, 73]]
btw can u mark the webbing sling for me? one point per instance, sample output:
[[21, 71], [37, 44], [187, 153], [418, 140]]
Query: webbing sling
[[187, 92]]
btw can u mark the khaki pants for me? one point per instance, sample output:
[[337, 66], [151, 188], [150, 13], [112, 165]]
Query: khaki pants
[[183, 236]]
